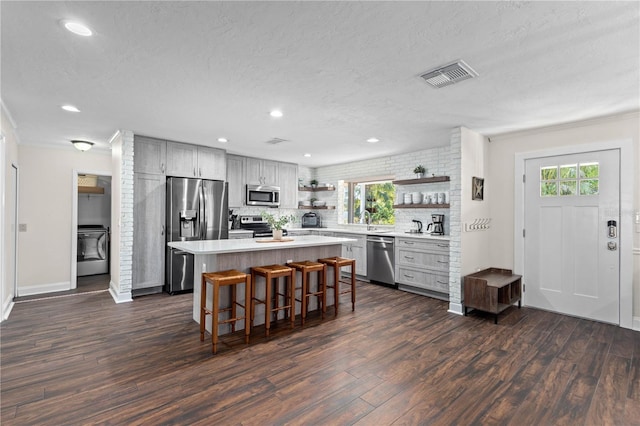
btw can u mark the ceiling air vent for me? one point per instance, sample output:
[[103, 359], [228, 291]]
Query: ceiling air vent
[[276, 141], [449, 74]]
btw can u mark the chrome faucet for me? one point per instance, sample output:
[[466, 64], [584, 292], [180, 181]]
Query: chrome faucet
[[367, 217]]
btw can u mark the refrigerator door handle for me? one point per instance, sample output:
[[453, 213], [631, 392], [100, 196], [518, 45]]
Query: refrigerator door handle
[[203, 215]]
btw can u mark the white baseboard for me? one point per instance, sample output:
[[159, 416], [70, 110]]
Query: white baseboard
[[455, 308], [119, 297], [30, 290], [7, 306], [636, 323]]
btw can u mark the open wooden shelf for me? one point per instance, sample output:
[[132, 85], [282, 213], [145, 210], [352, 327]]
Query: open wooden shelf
[[432, 179], [316, 208], [421, 206], [90, 190], [317, 188]]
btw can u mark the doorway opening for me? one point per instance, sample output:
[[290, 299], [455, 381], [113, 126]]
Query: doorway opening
[[91, 232]]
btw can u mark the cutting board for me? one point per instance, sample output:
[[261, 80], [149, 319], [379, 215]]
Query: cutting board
[[284, 240]]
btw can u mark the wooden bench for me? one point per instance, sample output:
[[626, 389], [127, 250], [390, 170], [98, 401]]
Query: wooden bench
[[492, 290]]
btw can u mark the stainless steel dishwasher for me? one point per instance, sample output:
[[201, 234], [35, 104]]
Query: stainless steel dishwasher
[[380, 260]]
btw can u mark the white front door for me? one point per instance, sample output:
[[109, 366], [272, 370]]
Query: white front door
[[571, 262]]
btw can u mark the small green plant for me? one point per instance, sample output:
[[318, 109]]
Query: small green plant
[[419, 169], [277, 222], [314, 183]]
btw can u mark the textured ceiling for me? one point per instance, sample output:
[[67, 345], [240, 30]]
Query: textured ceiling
[[341, 72]]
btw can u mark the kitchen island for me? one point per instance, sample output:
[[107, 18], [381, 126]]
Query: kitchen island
[[242, 254]]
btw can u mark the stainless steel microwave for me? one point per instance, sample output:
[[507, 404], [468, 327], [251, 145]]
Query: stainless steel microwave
[[262, 195]]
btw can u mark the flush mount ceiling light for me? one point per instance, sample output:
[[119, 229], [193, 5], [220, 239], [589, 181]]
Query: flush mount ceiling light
[[449, 74], [223, 140], [373, 140], [82, 145], [307, 155], [70, 108], [77, 28], [276, 113]]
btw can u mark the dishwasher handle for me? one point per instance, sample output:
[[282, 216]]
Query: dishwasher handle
[[386, 240]]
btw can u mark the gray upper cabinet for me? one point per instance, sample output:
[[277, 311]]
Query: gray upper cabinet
[[212, 163], [236, 180], [148, 231], [149, 155], [186, 160], [261, 172], [182, 159], [288, 174]]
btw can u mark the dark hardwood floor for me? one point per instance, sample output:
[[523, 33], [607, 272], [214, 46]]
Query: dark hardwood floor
[[398, 359]]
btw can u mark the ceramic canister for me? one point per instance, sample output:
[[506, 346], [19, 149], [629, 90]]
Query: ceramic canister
[[441, 198], [427, 198], [400, 198], [407, 198], [416, 197]]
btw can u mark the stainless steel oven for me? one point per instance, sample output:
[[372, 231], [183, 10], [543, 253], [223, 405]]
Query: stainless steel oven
[[263, 195]]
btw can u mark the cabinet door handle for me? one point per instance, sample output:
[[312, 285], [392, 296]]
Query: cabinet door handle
[[162, 233], [442, 245], [194, 172], [408, 276], [200, 171], [409, 243], [409, 257], [162, 167], [440, 261], [440, 282]]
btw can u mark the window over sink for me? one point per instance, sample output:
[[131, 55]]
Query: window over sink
[[367, 197]]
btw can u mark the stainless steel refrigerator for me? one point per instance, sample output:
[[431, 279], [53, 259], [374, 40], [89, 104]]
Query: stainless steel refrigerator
[[197, 209]]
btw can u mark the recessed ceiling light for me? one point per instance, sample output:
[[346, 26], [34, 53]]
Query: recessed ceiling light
[[70, 108], [276, 113], [307, 155], [373, 140], [77, 28], [223, 140]]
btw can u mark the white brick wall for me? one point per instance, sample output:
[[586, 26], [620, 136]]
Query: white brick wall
[[436, 161], [126, 213], [455, 191]]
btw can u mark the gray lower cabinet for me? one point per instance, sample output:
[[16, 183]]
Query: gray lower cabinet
[[422, 265], [148, 233], [355, 250]]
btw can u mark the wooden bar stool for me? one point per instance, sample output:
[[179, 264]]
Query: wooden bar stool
[[306, 267], [274, 272], [217, 280], [338, 262]]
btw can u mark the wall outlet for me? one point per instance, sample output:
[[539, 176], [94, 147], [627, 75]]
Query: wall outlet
[[22, 227], [289, 260]]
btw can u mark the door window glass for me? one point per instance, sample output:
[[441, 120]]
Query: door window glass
[[570, 179]]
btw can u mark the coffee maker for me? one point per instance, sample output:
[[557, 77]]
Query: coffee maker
[[436, 227]]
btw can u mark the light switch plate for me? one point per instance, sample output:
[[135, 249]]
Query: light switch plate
[[22, 227]]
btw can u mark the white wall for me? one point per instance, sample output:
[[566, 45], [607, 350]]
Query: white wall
[[9, 148], [475, 255], [46, 200], [502, 150]]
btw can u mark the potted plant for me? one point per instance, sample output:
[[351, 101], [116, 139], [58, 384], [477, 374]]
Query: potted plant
[[314, 183], [419, 171], [277, 223]]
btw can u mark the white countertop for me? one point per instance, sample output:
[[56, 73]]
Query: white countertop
[[378, 232], [251, 244]]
